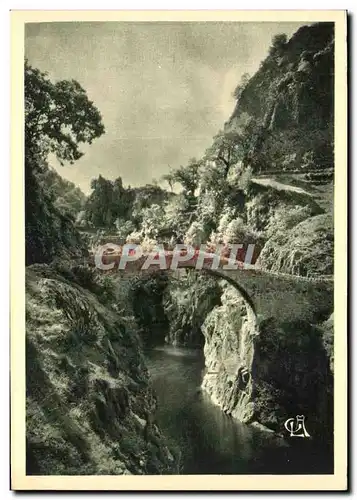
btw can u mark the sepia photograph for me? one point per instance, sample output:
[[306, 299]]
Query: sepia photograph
[[181, 312]]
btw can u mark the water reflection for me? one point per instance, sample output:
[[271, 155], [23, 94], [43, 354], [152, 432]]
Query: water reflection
[[210, 441]]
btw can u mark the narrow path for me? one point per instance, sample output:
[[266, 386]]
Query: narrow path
[[279, 185]]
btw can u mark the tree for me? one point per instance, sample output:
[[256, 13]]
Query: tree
[[225, 150], [187, 176], [234, 231], [99, 206], [195, 234], [278, 44], [241, 86], [178, 214], [153, 221], [145, 196], [67, 196], [169, 179], [58, 118]]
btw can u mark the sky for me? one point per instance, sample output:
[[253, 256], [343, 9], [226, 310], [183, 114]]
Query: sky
[[163, 89]]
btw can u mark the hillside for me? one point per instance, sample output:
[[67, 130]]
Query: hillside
[[90, 407], [288, 103]]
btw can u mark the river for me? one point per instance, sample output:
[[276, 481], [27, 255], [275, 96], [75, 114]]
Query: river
[[212, 442]]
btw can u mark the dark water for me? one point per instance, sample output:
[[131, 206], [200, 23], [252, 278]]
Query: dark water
[[210, 441]]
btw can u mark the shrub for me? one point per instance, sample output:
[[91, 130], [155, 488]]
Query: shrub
[[195, 234], [124, 227], [285, 218], [235, 231], [84, 276], [135, 237]]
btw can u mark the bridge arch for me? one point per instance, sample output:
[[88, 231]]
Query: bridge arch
[[233, 381], [238, 367]]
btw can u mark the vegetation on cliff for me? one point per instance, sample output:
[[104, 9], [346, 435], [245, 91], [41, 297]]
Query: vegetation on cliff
[[305, 250], [289, 103], [58, 118], [92, 413], [89, 403]]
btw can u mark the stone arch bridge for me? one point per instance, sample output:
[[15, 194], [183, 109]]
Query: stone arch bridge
[[235, 368], [265, 293]]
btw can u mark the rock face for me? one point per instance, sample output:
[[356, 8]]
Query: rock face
[[187, 303], [230, 332], [289, 102], [306, 249], [90, 408], [266, 370]]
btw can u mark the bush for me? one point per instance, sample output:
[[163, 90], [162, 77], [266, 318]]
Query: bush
[[235, 231], [84, 276], [195, 234], [285, 218], [135, 237], [153, 221], [124, 228], [104, 288]]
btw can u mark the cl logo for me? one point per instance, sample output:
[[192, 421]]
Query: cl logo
[[296, 426]]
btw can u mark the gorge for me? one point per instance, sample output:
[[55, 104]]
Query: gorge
[[181, 372]]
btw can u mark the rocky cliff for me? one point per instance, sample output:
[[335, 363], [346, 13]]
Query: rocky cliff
[[187, 302], [288, 103], [266, 370], [307, 249], [90, 407]]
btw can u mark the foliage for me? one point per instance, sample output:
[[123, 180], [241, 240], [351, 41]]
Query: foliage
[[207, 210], [178, 213], [241, 86], [285, 218], [195, 234], [278, 44], [187, 176], [144, 197], [227, 216], [124, 227], [234, 232], [290, 102], [245, 178], [225, 150], [58, 118], [108, 202], [68, 197], [169, 179], [49, 232], [153, 221]]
